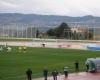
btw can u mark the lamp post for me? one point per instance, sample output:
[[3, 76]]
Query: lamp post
[[8, 31], [26, 31], [22, 31], [31, 31], [3, 31]]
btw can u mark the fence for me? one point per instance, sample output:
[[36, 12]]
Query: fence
[[17, 32], [89, 33], [30, 32]]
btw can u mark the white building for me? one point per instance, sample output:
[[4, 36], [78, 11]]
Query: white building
[[78, 29]]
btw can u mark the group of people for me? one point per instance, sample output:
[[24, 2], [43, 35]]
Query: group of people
[[54, 72], [45, 73], [22, 48], [87, 63], [9, 49]]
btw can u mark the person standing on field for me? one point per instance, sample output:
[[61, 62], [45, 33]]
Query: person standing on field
[[54, 73], [24, 49], [1, 49], [29, 73], [45, 73], [87, 65], [76, 66], [8, 49], [20, 48], [65, 71]]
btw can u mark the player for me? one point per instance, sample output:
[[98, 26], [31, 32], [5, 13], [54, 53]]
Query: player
[[1, 49], [20, 49], [8, 49], [6, 45], [24, 49]]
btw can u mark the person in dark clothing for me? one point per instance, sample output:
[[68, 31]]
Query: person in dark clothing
[[28, 73], [65, 71], [43, 45], [45, 73], [76, 66], [54, 73], [87, 65]]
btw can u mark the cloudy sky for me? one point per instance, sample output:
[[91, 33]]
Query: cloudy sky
[[52, 7]]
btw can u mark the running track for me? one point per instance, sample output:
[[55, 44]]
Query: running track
[[76, 76]]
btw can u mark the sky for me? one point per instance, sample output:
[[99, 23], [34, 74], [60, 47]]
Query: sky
[[75, 8]]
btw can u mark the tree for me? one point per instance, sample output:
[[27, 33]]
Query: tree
[[37, 33], [89, 35], [50, 32], [60, 30]]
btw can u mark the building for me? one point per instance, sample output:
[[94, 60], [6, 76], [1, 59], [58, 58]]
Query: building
[[78, 29]]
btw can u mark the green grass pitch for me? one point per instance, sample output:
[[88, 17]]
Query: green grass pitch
[[13, 65]]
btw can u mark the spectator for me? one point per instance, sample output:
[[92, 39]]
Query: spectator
[[87, 65], [76, 66], [45, 73], [65, 71], [54, 73], [28, 73]]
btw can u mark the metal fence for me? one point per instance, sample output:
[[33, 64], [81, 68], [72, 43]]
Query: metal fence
[[30, 32], [91, 33], [17, 32]]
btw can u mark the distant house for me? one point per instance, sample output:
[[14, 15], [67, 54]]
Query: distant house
[[42, 34], [78, 29]]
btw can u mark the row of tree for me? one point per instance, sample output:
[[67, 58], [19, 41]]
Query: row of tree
[[64, 31]]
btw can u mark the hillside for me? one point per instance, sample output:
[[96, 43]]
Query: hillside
[[47, 21]]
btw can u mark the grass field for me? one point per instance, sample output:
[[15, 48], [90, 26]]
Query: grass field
[[13, 65]]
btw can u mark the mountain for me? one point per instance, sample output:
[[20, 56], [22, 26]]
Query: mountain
[[47, 21]]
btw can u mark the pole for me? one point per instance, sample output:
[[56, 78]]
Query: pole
[[31, 32], [87, 33], [26, 31], [12, 31], [3, 31], [94, 33], [99, 31], [35, 31], [22, 31], [8, 31], [17, 31]]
